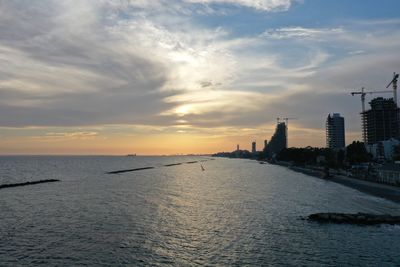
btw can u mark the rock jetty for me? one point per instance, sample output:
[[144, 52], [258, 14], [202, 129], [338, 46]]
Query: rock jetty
[[130, 170], [28, 183], [358, 218], [173, 164]]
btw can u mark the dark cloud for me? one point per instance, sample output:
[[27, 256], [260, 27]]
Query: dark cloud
[[79, 76]]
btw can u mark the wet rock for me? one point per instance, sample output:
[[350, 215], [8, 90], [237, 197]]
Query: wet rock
[[358, 218], [173, 164], [130, 170], [28, 183]]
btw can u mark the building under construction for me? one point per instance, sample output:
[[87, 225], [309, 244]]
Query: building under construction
[[381, 122], [278, 140], [335, 137]]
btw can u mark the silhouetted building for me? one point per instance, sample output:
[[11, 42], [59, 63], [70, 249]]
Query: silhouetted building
[[278, 141], [265, 144], [381, 122], [237, 147], [253, 147], [335, 131], [384, 150], [389, 174]]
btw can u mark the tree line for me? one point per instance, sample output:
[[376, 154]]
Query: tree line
[[355, 153]]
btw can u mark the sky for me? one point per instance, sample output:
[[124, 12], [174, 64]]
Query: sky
[[186, 76]]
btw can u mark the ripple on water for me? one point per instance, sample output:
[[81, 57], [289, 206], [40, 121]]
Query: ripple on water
[[236, 212]]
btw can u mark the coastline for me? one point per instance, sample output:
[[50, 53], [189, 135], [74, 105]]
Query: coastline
[[385, 191]]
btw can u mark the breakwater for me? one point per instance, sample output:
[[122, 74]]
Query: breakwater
[[173, 164], [358, 218], [151, 167], [130, 170], [28, 183]]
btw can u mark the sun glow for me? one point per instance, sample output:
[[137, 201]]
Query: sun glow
[[183, 110]]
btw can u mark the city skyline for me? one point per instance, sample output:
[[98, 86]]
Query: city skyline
[[186, 76]]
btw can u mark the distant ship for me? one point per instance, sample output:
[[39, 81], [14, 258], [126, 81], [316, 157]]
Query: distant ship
[[131, 155]]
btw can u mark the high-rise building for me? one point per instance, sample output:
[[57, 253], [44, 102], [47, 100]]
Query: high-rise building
[[253, 147], [335, 131], [278, 141], [381, 122], [265, 144]]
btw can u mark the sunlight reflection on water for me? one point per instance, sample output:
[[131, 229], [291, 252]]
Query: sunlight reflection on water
[[236, 212]]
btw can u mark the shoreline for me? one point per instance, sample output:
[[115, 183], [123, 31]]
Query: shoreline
[[385, 191]]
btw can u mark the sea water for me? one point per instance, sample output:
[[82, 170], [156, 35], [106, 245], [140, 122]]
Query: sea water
[[234, 213]]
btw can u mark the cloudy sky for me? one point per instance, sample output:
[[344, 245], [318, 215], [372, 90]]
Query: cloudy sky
[[186, 76]]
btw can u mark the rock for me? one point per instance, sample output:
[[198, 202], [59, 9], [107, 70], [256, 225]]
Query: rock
[[359, 218], [28, 183], [173, 164], [130, 170]]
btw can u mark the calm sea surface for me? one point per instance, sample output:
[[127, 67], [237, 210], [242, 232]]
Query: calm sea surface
[[235, 213]]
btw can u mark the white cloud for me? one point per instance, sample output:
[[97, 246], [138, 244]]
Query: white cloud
[[71, 135], [79, 63], [300, 32], [264, 5], [183, 6]]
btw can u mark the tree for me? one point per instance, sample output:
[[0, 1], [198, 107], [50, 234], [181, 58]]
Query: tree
[[356, 153], [396, 153], [340, 157]]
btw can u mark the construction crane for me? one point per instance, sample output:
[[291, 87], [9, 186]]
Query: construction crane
[[394, 82], [363, 94], [285, 120]]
